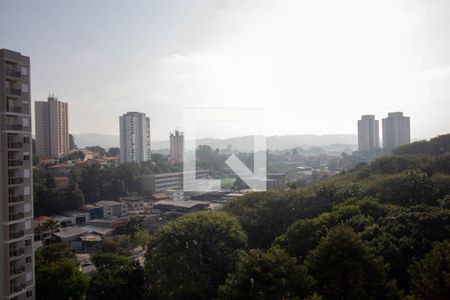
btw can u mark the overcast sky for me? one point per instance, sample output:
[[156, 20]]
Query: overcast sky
[[316, 66]]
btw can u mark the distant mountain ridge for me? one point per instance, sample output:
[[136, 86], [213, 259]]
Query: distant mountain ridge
[[243, 143]]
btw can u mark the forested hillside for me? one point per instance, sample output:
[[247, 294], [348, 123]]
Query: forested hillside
[[379, 231], [395, 208]]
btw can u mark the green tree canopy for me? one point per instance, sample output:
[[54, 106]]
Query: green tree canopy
[[346, 268], [190, 257], [430, 276], [270, 274]]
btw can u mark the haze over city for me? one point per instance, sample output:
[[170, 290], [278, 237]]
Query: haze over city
[[316, 66]]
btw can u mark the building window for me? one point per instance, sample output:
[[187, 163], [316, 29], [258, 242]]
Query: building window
[[24, 70], [24, 88], [28, 242], [28, 259], [29, 293]]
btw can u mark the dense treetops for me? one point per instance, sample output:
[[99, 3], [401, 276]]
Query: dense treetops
[[378, 231]]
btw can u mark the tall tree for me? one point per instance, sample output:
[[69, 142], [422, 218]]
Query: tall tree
[[270, 274], [346, 268], [430, 276], [190, 257]]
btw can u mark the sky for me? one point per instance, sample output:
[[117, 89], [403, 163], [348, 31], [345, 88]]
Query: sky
[[314, 66]]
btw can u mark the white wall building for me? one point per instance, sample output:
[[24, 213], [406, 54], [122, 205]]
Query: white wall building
[[396, 131], [134, 137], [52, 127], [368, 134], [176, 146]]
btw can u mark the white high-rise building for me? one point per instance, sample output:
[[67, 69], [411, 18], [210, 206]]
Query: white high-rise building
[[52, 127], [176, 146], [396, 131], [368, 134], [134, 137], [16, 179]]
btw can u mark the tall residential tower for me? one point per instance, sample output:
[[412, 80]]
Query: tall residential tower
[[176, 146], [396, 131], [52, 127], [134, 137], [368, 134], [16, 195]]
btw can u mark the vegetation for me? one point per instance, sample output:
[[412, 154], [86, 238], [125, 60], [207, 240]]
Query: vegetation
[[378, 231], [191, 256], [57, 274]]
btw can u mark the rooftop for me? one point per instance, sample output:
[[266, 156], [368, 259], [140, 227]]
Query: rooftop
[[182, 203]]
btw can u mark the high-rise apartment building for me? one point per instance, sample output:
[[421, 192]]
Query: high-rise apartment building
[[134, 137], [52, 127], [368, 134], [16, 195], [176, 146], [396, 131]]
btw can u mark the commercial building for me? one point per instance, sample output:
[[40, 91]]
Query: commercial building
[[396, 131], [176, 146], [134, 137], [52, 127], [168, 181], [16, 195], [113, 209], [368, 134]]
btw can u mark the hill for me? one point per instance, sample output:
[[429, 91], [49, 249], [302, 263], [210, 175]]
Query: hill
[[336, 143]]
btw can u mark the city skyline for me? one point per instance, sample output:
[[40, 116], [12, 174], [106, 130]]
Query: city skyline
[[313, 78]]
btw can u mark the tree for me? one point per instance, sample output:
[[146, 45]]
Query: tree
[[114, 151], [118, 282], [142, 238], [54, 253], [190, 257], [72, 144], [430, 277], [60, 280], [103, 261], [270, 274], [346, 268], [57, 274]]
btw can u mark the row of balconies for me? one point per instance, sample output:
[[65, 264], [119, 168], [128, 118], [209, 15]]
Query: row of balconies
[[17, 288], [17, 270], [16, 234], [15, 162], [15, 145], [15, 180], [17, 252], [18, 109], [17, 127], [15, 198], [16, 216], [13, 73], [15, 92]]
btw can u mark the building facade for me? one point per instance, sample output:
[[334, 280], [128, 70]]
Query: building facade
[[169, 181], [134, 137], [368, 134], [16, 195], [396, 131], [176, 146], [52, 127]]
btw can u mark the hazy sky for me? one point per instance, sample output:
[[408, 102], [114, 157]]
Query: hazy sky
[[316, 66]]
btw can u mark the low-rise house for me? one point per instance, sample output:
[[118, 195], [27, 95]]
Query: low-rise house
[[95, 212], [83, 238], [113, 209], [78, 217], [136, 204]]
